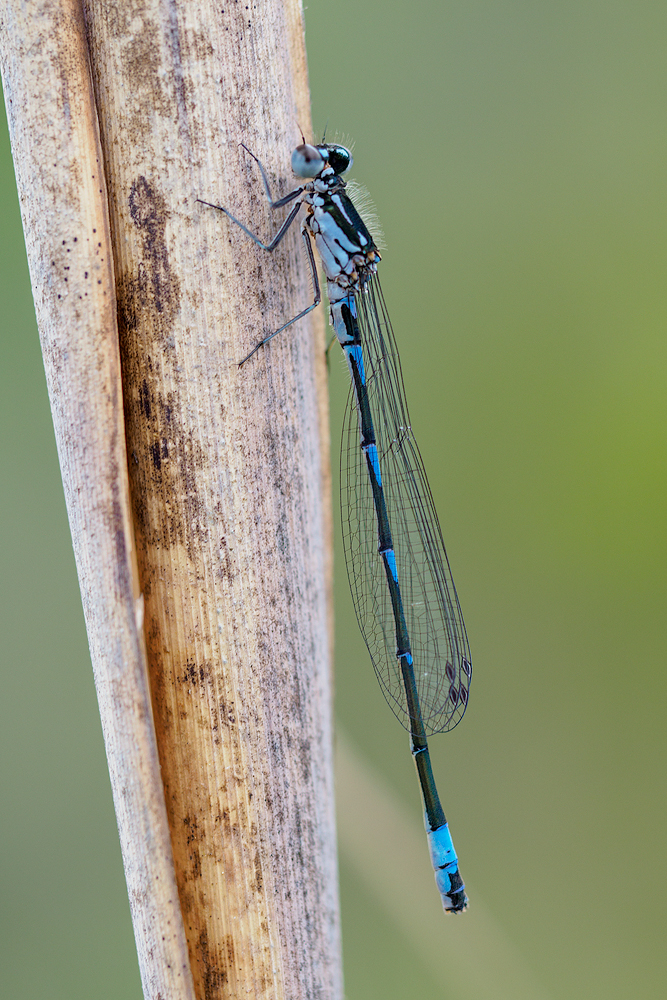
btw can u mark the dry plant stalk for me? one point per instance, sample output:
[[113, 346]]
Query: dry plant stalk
[[228, 838]]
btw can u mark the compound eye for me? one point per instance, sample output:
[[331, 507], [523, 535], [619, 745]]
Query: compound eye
[[340, 158], [308, 161]]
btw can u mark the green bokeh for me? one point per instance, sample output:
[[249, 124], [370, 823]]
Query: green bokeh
[[517, 156]]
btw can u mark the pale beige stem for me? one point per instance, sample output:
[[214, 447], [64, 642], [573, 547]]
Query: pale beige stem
[[228, 484]]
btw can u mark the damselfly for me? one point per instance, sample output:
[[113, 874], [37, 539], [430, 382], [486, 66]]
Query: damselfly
[[399, 574]]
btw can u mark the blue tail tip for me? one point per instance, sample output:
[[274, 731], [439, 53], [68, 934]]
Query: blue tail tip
[[446, 866]]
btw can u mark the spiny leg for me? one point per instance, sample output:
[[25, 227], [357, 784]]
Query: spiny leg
[[279, 235], [280, 203], [304, 312], [274, 243], [261, 170]]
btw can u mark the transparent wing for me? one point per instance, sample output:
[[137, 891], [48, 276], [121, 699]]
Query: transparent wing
[[438, 639]]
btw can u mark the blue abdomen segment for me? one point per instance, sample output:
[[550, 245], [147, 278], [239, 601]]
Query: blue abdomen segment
[[374, 462], [344, 320], [446, 868]]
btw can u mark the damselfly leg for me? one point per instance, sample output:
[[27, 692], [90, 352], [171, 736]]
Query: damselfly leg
[[269, 247]]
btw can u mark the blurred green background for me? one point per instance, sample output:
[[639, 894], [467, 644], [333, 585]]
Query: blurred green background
[[517, 156]]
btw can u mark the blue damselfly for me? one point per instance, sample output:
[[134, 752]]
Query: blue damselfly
[[399, 574]]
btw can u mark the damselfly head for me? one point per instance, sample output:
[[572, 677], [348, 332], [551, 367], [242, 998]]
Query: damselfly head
[[310, 161]]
